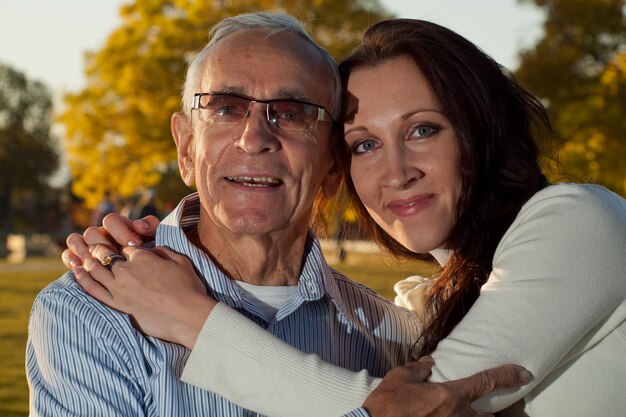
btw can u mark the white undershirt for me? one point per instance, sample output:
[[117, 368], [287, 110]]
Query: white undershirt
[[268, 298]]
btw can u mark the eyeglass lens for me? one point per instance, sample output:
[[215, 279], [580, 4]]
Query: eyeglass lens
[[282, 114]]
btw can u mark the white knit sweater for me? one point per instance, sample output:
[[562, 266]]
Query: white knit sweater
[[555, 303]]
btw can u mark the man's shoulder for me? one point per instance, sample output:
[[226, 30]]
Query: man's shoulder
[[359, 297], [347, 284], [65, 290], [64, 301]]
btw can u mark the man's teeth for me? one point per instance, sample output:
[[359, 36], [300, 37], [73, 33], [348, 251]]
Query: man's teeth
[[254, 181]]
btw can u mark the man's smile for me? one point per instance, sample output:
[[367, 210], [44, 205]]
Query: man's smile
[[249, 181]]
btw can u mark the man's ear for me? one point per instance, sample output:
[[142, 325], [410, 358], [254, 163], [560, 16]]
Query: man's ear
[[182, 132]]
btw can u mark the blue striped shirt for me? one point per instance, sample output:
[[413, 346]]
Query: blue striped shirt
[[86, 359]]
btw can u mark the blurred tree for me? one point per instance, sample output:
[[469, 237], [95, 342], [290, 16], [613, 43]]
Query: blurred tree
[[579, 71], [117, 129], [27, 152]]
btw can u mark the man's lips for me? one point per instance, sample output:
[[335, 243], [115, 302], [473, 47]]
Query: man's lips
[[255, 181], [410, 206]]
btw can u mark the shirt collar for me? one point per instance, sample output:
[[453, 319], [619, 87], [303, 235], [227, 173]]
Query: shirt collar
[[441, 255], [316, 279]]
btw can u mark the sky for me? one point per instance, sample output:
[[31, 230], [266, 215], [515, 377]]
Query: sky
[[46, 39]]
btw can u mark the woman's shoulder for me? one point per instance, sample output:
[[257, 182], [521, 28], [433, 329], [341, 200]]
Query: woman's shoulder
[[585, 196], [569, 205], [569, 220]]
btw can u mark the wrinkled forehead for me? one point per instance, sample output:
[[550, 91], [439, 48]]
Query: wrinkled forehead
[[264, 66]]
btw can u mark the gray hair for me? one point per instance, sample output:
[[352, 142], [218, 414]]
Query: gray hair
[[274, 23]]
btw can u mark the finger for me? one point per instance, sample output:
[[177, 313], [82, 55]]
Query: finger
[[95, 268], [99, 236], [161, 252], [424, 360], [77, 246], [91, 286], [121, 230], [100, 273], [101, 252], [169, 254], [484, 382], [146, 226], [131, 252], [70, 260], [421, 369]]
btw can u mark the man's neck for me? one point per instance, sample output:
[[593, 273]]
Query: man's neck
[[274, 259]]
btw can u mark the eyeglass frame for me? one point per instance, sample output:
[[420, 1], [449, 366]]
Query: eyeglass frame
[[323, 115]]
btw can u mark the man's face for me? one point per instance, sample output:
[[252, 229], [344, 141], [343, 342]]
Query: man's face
[[252, 179]]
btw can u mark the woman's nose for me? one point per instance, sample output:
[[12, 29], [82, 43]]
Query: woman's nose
[[400, 169]]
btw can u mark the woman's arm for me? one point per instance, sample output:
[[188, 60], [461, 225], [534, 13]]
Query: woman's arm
[[249, 360], [558, 273], [244, 363]]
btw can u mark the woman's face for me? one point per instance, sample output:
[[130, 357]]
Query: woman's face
[[405, 155]]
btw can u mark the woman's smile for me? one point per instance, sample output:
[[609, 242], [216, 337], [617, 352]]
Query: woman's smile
[[410, 206]]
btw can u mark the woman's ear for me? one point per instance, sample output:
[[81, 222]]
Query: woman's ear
[[182, 132]]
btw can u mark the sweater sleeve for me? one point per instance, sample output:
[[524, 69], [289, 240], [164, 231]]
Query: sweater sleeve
[[248, 365], [558, 273]]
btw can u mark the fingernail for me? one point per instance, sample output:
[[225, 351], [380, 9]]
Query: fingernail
[[525, 376], [134, 242], [73, 263], [143, 224], [77, 269], [90, 249]]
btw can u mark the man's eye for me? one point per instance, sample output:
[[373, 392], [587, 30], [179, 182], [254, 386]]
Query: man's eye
[[225, 111], [289, 112], [289, 116]]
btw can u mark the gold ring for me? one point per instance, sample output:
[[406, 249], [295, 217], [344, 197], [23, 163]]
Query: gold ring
[[110, 260]]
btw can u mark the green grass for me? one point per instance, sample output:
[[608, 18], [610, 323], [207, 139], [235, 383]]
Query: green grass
[[379, 272], [18, 289]]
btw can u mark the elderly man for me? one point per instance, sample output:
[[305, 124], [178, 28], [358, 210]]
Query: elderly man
[[256, 138]]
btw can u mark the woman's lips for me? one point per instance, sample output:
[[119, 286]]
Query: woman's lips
[[410, 206]]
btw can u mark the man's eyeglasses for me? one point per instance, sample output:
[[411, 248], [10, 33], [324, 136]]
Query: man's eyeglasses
[[289, 116]]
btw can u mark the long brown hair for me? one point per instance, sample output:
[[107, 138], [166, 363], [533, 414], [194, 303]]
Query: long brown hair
[[495, 122]]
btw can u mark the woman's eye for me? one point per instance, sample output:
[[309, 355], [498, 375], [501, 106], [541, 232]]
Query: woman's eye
[[424, 131], [364, 146]]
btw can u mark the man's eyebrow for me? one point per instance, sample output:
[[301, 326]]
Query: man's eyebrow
[[289, 94], [229, 90], [292, 94]]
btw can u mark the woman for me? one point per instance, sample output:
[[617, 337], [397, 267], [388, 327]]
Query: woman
[[443, 162]]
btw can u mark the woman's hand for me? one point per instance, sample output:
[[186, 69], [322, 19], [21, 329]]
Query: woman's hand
[[405, 391], [117, 232], [157, 287]]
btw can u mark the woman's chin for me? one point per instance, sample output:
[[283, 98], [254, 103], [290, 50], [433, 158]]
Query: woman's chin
[[418, 243]]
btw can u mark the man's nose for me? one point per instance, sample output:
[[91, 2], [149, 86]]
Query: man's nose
[[257, 135]]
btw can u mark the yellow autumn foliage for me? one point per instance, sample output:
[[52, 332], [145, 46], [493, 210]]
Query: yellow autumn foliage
[[579, 69], [116, 130]]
